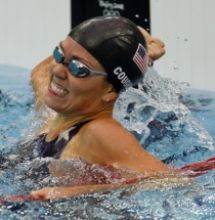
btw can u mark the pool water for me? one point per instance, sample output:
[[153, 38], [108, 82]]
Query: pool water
[[171, 121]]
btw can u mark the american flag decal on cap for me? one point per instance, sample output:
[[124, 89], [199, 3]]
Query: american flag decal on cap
[[140, 58]]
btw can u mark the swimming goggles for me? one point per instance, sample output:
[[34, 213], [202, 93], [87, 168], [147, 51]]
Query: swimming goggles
[[76, 68]]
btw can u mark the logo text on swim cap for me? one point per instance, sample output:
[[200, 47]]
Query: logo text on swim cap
[[122, 77]]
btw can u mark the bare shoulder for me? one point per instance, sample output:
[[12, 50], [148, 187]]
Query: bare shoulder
[[115, 145], [40, 72], [110, 136], [106, 128], [39, 80], [97, 140]]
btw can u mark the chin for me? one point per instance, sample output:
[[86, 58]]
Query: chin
[[53, 105]]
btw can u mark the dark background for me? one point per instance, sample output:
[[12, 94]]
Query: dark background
[[136, 10]]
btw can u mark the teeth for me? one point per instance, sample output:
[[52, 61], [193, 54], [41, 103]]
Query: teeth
[[57, 89]]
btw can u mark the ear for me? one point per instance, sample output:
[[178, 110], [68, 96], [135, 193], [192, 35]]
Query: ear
[[110, 95]]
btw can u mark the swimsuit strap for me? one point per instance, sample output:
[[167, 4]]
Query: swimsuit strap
[[55, 147]]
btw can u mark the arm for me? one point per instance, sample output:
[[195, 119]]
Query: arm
[[67, 191], [156, 47], [120, 151], [40, 79]]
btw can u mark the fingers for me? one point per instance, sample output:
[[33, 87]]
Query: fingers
[[47, 193], [156, 47], [155, 51], [158, 42], [39, 194]]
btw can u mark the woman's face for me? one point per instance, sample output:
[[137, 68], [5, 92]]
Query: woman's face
[[68, 94]]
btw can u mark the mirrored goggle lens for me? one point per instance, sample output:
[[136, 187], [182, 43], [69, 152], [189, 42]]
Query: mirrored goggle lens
[[78, 69], [59, 58]]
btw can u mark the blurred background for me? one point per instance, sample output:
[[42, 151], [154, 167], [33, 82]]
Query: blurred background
[[30, 29]]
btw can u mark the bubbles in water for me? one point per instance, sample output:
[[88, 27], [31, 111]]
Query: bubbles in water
[[154, 94], [164, 125]]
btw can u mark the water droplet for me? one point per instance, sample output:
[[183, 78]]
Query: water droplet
[[176, 67]]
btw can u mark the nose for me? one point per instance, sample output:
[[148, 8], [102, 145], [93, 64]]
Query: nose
[[59, 70]]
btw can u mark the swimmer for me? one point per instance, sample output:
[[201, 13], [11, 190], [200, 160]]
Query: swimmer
[[155, 46], [100, 58]]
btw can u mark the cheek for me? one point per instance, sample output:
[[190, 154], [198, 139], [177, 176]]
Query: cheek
[[84, 98], [86, 94], [87, 87]]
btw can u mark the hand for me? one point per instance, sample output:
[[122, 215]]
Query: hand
[[46, 193], [156, 47], [60, 192]]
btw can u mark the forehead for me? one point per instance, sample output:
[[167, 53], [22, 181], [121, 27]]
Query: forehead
[[73, 49]]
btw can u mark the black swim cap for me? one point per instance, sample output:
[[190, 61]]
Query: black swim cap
[[118, 45]]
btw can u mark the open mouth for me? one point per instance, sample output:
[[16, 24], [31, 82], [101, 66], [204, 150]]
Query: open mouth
[[57, 89]]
